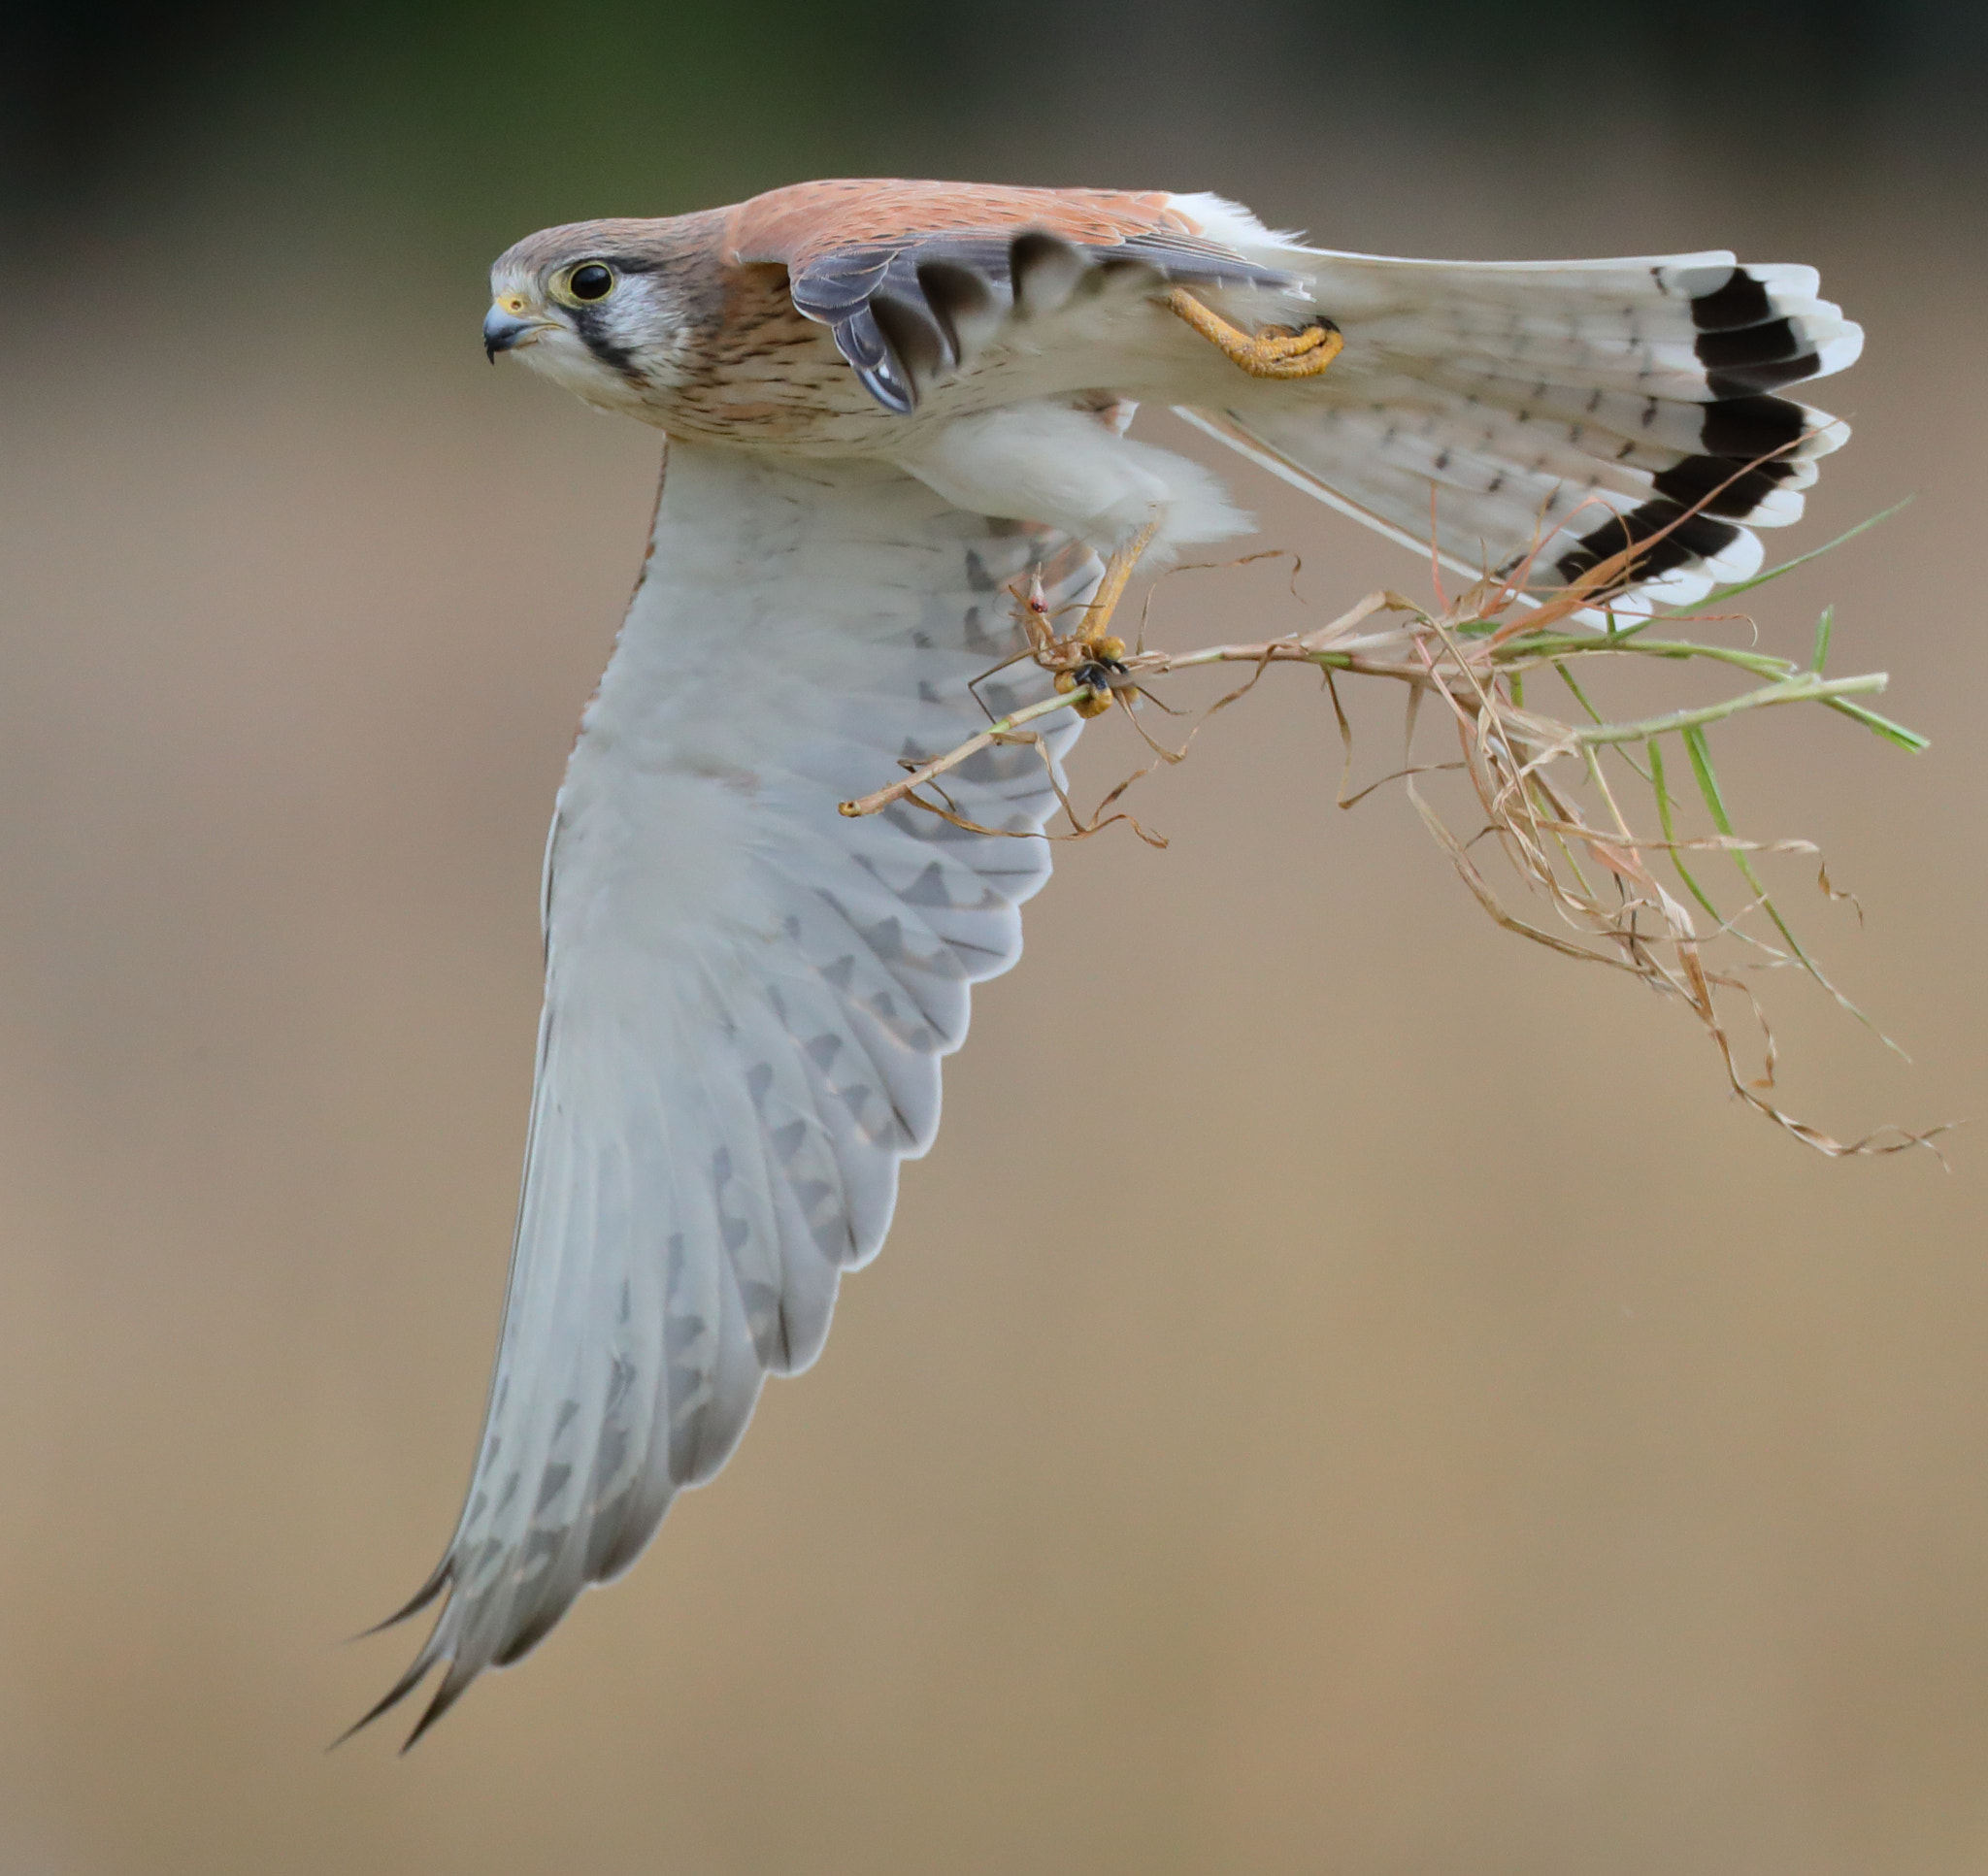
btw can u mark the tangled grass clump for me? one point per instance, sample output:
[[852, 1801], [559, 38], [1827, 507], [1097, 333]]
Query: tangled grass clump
[[1550, 789]]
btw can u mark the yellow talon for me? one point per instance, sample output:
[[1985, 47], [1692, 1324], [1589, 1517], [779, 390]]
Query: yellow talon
[[1275, 351], [1066, 681], [1108, 648], [1095, 705]]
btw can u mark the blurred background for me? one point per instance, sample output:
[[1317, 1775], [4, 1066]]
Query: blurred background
[[1428, 1429]]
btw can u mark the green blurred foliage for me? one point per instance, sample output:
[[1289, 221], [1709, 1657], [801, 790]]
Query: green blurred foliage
[[448, 111], [504, 108]]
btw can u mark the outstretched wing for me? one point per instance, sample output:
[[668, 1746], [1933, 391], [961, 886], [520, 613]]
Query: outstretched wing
[[747, 997]]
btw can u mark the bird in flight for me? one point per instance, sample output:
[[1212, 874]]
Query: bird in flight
[[890, 407]]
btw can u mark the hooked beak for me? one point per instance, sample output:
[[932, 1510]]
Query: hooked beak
[[504, 331]]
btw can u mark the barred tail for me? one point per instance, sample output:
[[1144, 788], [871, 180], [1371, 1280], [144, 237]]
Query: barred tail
[[1560, 413]]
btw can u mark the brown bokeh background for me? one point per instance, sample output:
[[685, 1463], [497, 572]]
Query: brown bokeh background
[[1347, 1393]]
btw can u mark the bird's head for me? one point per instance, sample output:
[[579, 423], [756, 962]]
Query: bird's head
[[597, 306]]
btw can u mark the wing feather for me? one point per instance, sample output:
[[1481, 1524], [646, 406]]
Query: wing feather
[[1553, 414], [748, 998], [913, 279]]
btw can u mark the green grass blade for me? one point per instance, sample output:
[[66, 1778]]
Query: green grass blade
[[1908, 740], [1824, 626], [1715, 804], [1720, 595], [1580, 695], [1594, 715], [1668, 823], [1709, 786]]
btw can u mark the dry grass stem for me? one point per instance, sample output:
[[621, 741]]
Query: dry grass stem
[[1548, 792]]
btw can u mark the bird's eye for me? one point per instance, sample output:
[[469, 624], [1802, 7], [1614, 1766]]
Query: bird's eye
[[593, 282]]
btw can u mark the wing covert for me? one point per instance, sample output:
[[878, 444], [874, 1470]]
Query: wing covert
[[905, 316], [912, 279]]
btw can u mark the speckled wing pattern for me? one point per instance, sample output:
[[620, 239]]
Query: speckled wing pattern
[[747, 996]]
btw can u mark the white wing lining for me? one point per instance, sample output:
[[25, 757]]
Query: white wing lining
[[748, 997]]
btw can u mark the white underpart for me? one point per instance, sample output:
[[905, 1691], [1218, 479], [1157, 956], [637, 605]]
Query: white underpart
[[1062, 467]]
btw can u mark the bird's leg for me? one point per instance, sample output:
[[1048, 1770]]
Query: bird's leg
[[1118, 572], [1275, 351], [1093, 640]]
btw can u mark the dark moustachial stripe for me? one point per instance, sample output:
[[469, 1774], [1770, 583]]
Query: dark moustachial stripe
[[586, 320], [1695, 536]]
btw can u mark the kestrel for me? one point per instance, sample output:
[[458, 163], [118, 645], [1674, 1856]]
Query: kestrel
[[889, 405]]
